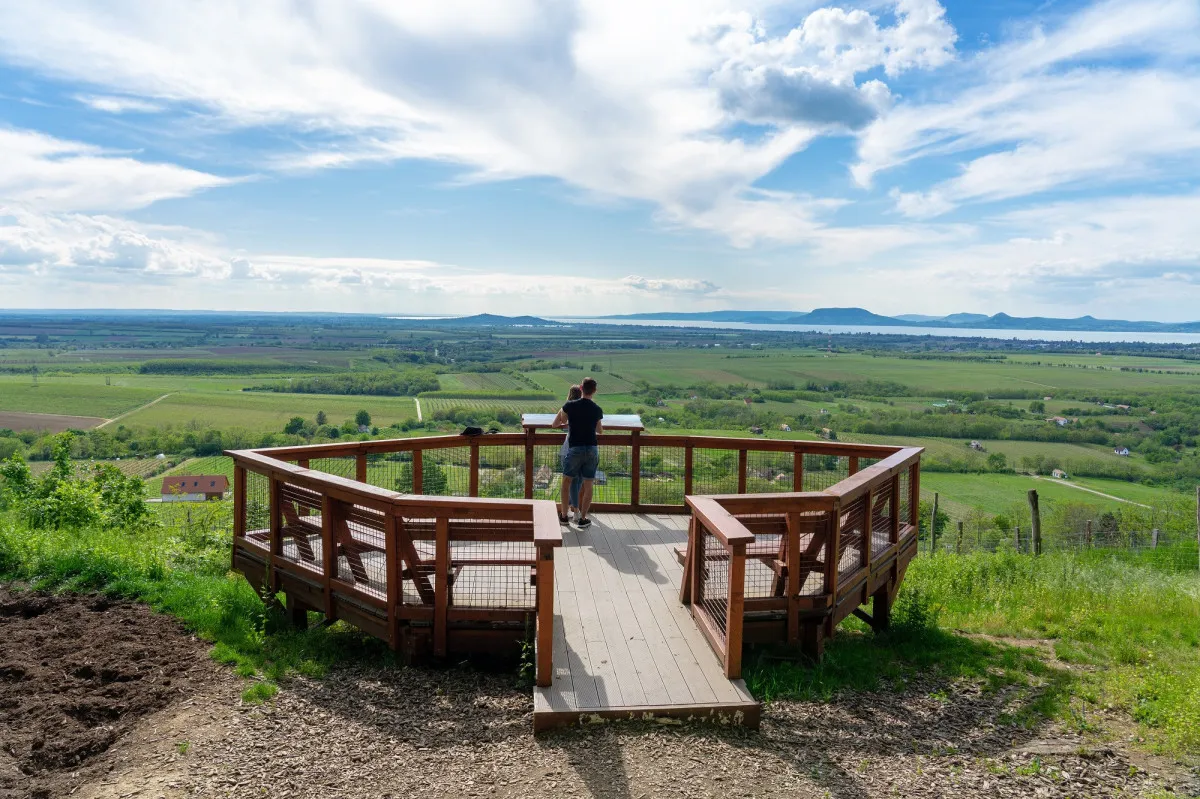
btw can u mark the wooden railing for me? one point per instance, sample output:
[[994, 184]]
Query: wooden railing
[[452, 574], [447, 542], [759, 568]]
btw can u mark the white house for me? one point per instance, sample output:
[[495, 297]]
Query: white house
[[1060, 474], [1122, 451]]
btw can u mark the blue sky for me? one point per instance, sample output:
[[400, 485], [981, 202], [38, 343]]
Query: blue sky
[[596, 156]]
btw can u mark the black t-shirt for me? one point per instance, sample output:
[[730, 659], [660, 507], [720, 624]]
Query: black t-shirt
[[582, 415]]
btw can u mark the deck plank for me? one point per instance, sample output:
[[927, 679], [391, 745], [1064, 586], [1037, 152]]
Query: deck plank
[[624, 645]]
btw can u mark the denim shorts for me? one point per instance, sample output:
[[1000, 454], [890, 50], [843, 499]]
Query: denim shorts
[[581, 462]]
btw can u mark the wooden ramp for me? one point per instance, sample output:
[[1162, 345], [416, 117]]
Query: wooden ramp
[[624, 646]]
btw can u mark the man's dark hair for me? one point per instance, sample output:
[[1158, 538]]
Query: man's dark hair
[[589, 386]]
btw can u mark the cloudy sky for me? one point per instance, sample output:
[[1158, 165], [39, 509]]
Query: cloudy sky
[[586, 156]]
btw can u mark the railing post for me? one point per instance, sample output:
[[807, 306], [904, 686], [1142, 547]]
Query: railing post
[[360, 467], [441, 598], [868, 531], [914, 495], [329, 555], [798, 470], [734, 611], [833, 556], [635, 465], [276, 528], [239, 511], [793, 577], [894, 511], [689, 560], [473, 478], [742, 458], [688, 460], [545, 616], [391, 545], [418, 471], [529, 463], [852, 464], [698, 562]]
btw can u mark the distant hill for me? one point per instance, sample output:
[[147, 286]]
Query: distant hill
[[492, 320], [750, 317], [847, 316]]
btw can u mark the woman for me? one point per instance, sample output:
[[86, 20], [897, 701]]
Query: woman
[[575, 393]]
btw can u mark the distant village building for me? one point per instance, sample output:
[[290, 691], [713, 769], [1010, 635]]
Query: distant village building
[[1122, 407], [748, 401], [194, 488], [756, 430], [1122, 451], [826, 433], [977, 446], [787, 428], [1046, 399], [1061, 421], [1059, 473]]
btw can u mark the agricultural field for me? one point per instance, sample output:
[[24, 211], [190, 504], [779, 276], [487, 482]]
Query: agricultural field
[[266, 411], [70, 398], [46, 422], [559, 381], [482, 381], [431, 405]]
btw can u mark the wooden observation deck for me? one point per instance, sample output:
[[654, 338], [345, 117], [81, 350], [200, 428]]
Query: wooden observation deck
[[700, 547]]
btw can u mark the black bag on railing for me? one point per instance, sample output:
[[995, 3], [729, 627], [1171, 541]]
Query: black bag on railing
[[472, 431]]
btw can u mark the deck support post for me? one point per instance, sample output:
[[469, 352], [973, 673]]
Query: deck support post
[[297, 613], [239, 512], [441, 591], [797, 470], [473, 472], [329, 553], [742, 458], [793, 577], [360, 467], [689, 457], [394, 590], [734, 611], [418, 471], [545, 616], [635, 468], [685, 585], [852, 464], [276, 527], [529, 463]]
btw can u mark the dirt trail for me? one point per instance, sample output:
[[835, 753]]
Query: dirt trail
[[1089, 490], [135, 410]]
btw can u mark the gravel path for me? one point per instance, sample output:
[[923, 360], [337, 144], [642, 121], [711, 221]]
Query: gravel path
[[452, 734]]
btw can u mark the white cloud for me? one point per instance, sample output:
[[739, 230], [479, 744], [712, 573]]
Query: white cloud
[[612, 98], [118, 105], [1037, 115], [670, 285], [58, 175]]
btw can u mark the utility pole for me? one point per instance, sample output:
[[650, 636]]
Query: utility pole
[[1037, 521]]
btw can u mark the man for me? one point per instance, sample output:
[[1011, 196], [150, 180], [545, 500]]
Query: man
[[583, 417]]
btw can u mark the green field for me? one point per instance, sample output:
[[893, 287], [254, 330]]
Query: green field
[[213, 464], [482, 381], [431, 405], [71, 398], [267, 411]]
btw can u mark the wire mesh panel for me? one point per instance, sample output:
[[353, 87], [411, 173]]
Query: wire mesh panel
[[502, 472], [490, 572], [614, 477], [547, 471], [823, 471], [714, 471], [662, 475], [767, 472], [854, 525], [881, 517], [362, 549], [446, 472], [767, 556], [714, 599], [392, 470], [905, 489], [342, 467], [300, 516], [810, 559], [258, 509]]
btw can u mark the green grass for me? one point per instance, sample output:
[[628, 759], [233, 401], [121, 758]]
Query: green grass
[[266, 411], [1123, 634], [53, 395], [1000, 493], [482, 381]]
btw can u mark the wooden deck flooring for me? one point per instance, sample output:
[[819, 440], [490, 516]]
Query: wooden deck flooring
[[624, 646]]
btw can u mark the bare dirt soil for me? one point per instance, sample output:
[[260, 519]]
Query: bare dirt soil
[[46, 422], [147, 715], [77, 673]]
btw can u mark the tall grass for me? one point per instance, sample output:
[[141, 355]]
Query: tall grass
[[1129, 632], [184, 571]]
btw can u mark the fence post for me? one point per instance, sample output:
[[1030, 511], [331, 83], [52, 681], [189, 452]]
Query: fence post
[[1154, 538], [1036, 518], [1088, 537], [933, 526], [1017, 538], [1198, 526], [958, 540]]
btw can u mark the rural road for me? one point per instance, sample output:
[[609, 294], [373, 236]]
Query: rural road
[[419, 419], [135, 410], [1089, 490]]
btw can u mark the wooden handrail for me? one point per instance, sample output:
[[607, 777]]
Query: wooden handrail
[[719, 521], [856, 485]]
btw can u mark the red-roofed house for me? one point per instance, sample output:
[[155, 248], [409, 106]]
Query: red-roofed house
[[194, 487]]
